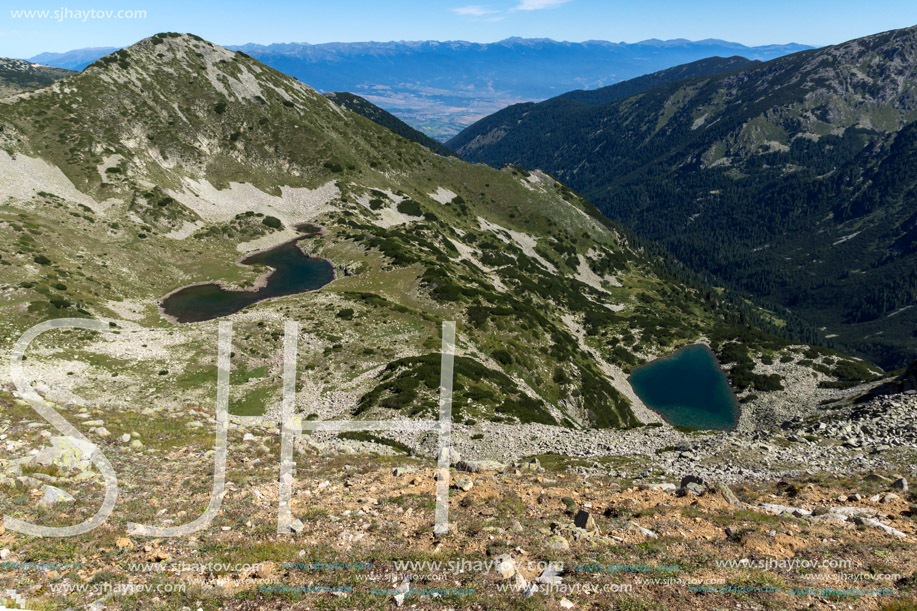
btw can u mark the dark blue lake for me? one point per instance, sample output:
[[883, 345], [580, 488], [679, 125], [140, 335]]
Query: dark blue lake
[[293, 272], [688, 388]]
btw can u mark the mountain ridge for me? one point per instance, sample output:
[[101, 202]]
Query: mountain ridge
[[439, 87], [507, 118], [685, 164], [17, 76]]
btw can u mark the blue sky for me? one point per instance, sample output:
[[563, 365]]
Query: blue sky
[[816, 22]]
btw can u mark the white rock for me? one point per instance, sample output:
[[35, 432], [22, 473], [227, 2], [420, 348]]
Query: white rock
[[53, 496]]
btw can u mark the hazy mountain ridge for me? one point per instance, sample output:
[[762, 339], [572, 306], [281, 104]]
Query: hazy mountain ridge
[[76, 59], [441, 87], [815, 135]]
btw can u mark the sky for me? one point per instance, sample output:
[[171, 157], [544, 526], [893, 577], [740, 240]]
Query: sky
[[68, 24]]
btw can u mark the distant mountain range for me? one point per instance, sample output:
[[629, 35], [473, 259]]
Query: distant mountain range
[[73, 60], [793, 180], [442, 87]]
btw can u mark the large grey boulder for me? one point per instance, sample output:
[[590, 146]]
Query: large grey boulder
[[66, 453], [53, 496]]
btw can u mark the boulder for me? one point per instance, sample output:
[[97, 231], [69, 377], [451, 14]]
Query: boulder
[[691, 479], [782, 509], [463, 483], [66, 453], [296, 526], [874, 523], [479, 466], [691, 488], [853, 512], [506, 566], [551, 574], [633, 527], [53, 496], [729, 495], [584, 520], [557, 543]]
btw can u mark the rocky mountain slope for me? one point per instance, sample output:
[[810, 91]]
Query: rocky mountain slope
[[17, 76], [817, 516], [363, 107], [789, 180], [160, 164]]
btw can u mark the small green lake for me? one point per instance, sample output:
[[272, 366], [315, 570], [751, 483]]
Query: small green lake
[[293, 272], [688, 388]]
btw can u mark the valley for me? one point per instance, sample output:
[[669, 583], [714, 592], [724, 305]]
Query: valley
[[274, 272], [786, 180]]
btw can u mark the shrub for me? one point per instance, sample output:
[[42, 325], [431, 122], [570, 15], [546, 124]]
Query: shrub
[[410, 207], [272, 221], [503, 357], [219, 108]]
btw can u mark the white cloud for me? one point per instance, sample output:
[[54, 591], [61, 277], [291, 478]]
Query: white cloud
[[473, 10], [537, 5]]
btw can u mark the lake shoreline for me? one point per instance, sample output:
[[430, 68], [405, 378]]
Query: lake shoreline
[[736, 404], [307, 230]]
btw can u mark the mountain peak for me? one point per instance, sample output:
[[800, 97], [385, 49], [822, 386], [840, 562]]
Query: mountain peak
[[164, 48]]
